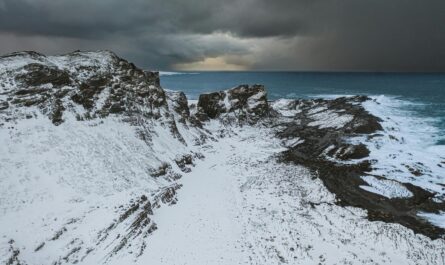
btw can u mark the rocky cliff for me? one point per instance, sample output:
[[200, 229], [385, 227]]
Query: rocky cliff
[[82, 130]]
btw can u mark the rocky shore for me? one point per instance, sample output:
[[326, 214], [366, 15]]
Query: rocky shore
[[107, 134]]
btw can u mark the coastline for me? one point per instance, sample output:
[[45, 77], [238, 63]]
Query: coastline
[[97, 160]]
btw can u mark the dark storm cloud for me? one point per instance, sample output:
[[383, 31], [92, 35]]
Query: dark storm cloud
[[376, 35]]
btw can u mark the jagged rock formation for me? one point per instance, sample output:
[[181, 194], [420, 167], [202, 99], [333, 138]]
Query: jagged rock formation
[[241, 104], [102, 83], [320, 134]]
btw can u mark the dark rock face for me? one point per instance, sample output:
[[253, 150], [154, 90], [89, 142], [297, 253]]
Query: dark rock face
[[153, 78], [252, 98], [211, 104], [247, 103], [180, 105], [39, 74], [322, 149], [89, 89]]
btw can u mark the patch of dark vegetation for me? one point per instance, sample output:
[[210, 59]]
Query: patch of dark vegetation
[[323, 149]]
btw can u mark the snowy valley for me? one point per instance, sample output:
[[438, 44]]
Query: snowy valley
[[101, 165]]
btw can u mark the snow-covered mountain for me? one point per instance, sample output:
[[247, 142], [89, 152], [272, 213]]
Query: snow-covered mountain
[[100, 165]]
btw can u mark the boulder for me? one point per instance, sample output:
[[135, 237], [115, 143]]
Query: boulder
[[244, 102]]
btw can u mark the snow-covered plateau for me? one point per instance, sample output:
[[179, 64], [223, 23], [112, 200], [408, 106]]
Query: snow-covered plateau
[[101, 165]]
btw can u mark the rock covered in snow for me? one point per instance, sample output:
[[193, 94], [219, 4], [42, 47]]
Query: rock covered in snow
[[321, 133], [100, 82], [89, 142], [245, 103]]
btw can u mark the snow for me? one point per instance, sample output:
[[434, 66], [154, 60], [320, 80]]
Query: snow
[[406, 146], [240, 206], [436, 219], [388, 188], [254, 100], [324, 118], [202, 228], [74, 179], [237, 206], [285, 107]]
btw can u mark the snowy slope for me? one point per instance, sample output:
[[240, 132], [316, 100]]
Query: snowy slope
[[64, 187], [241, 206]]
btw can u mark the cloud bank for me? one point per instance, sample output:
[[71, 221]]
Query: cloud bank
[[331, 35]]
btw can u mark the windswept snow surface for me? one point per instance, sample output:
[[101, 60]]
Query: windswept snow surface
[[237, 206], [240, 206]]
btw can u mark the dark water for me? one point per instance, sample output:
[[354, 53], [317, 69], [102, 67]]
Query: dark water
[[426, 92]]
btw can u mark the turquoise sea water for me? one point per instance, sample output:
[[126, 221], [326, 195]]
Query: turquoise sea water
[[425, 93]]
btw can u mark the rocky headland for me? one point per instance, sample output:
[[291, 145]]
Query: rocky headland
[[118, 145]]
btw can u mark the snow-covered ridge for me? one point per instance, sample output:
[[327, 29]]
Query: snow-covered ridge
[[84, 137], [100, 165]]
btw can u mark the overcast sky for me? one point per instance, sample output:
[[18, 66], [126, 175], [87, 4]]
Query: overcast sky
[[332, 35]]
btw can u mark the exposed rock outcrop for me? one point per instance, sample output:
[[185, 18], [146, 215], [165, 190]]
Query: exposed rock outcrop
[[101, 82], [241, 104], [321, 131]]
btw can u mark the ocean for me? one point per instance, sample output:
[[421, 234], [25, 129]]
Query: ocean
[[411, 106]]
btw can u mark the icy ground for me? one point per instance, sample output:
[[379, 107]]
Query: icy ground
[[239, 206]]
